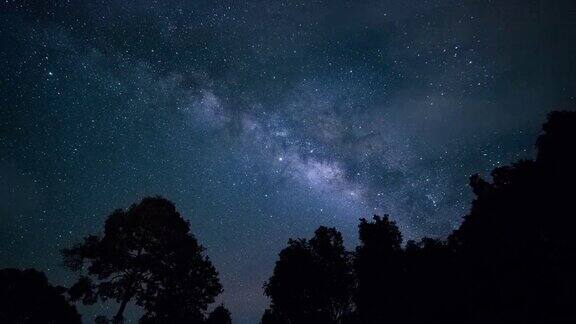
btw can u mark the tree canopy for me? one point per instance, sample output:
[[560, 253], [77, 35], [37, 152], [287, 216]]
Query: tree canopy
[[146, 255], [312, 281], [512, 260], [27, 297]]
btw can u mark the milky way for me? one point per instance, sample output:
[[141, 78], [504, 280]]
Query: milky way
[[262, 120]]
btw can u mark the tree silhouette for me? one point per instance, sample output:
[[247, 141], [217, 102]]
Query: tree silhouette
[[312, 282], [146, 255], [379, 269], [27, 297], [512, 260], [517, 241], [430, 290], [220, 315], [272, 317]]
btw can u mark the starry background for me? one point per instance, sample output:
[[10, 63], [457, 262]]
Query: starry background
[[262, 120]]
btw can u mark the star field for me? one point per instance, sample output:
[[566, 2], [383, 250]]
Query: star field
[[262, 120]]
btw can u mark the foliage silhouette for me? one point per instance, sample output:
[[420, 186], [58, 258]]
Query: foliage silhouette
[[272, 317], [220, 315], [517, 241], [512, 260], [312, 281], [27, 297], [378, 265], [147, 255]]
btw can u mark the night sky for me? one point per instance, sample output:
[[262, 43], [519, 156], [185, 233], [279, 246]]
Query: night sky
[[262, 120]]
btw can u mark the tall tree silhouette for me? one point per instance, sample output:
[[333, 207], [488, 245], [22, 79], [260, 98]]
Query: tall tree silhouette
[[517, 241], [146, 255], [512, 260], [27, 297], [379, 267], [312, 282]]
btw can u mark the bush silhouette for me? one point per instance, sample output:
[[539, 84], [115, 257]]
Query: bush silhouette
[[146, 255], [27, 297]]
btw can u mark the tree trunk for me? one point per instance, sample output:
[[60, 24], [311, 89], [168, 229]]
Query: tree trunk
[[128, 294], [119, 315]]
